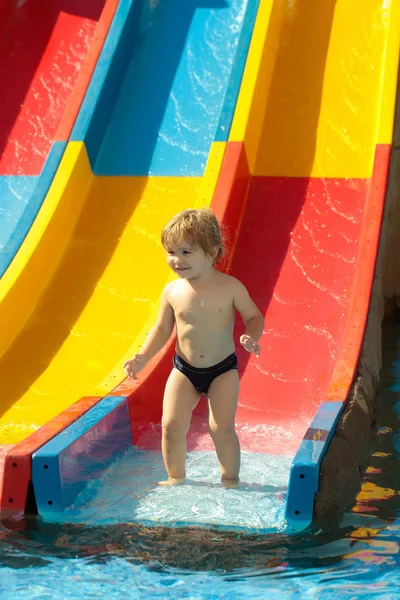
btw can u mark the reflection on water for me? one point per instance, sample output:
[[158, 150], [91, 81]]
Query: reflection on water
[[358, 557], [376, 541]]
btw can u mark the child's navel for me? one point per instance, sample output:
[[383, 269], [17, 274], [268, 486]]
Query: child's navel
[[201, 355]]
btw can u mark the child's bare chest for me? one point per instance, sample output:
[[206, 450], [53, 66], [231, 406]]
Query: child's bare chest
[[207, 310]]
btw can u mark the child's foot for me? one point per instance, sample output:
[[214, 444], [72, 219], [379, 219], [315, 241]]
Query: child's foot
[[230, 483], [172, 481]]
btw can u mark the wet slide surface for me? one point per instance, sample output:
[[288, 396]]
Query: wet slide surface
[[310, 229], [314, 175], [46, 52], [43, 49], [170, 101], [95, 309], [305, 205], [313, 156], [304, 170]]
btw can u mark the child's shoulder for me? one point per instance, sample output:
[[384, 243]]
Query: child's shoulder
[[229, 281], [171, 287]]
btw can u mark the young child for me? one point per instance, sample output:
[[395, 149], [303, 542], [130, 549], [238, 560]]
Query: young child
[[201, 304]]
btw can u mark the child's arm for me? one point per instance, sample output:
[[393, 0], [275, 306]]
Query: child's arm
[[251, 316], [158, 336]]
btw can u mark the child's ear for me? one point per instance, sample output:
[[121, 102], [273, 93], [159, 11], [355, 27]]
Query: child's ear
[[215, 254]]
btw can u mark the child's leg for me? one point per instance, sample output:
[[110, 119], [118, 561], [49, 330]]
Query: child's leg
[[180, 398], [222, 398]]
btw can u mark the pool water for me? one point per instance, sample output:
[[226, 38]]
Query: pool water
[[128, 492], [357, 557]]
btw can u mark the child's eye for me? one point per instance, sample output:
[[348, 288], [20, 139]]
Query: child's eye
[[187, 252], [170, 252]]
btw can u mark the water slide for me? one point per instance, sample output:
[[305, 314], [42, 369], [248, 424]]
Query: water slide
[[77, 296], [294, 164], [47, 56]]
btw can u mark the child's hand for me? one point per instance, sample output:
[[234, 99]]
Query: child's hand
[[250, 345], [133, 366]]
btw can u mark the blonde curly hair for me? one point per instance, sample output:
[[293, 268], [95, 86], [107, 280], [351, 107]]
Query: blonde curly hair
[[199, 228]]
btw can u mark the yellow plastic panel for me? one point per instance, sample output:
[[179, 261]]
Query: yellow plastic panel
[[319, 95], [97, 303], [202, 198], [255, 87], [27, 276], [390, 81], [211, 174]]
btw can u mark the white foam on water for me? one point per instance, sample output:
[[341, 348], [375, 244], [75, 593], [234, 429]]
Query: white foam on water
[[128, 492]]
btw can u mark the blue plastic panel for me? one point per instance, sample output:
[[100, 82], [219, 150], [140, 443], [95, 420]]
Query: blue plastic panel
[[62, 467], [304, 472], [235, 80], [326, 417], [167, 71], [21, 197], [102, 92]]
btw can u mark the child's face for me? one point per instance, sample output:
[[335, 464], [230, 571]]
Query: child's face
[[187, 261]]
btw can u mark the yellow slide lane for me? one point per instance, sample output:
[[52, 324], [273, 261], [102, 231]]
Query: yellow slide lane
[[313, 78], [102, 292]]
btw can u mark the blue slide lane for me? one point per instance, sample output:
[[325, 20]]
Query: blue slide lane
[[167, 72], [61, 468], [235, 80], [20, 200]]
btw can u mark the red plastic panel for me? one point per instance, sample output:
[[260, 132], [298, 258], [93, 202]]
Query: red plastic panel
[[42, 49], [16, 470], [296, 253], [230, 194], [145, 394], [5, 11], [347, 359], [3, 452], [306, 251], [64, 130]]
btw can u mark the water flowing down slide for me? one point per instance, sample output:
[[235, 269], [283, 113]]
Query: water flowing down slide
[[298, 178], [47, 55], [88, 276]]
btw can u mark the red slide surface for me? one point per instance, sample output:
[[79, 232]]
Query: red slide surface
[[43, 46]]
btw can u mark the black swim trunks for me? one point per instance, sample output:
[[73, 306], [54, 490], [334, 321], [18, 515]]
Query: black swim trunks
[[203, 377]]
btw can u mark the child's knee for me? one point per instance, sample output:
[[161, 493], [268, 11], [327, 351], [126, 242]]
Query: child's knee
[[221, 431], [173, 428]]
